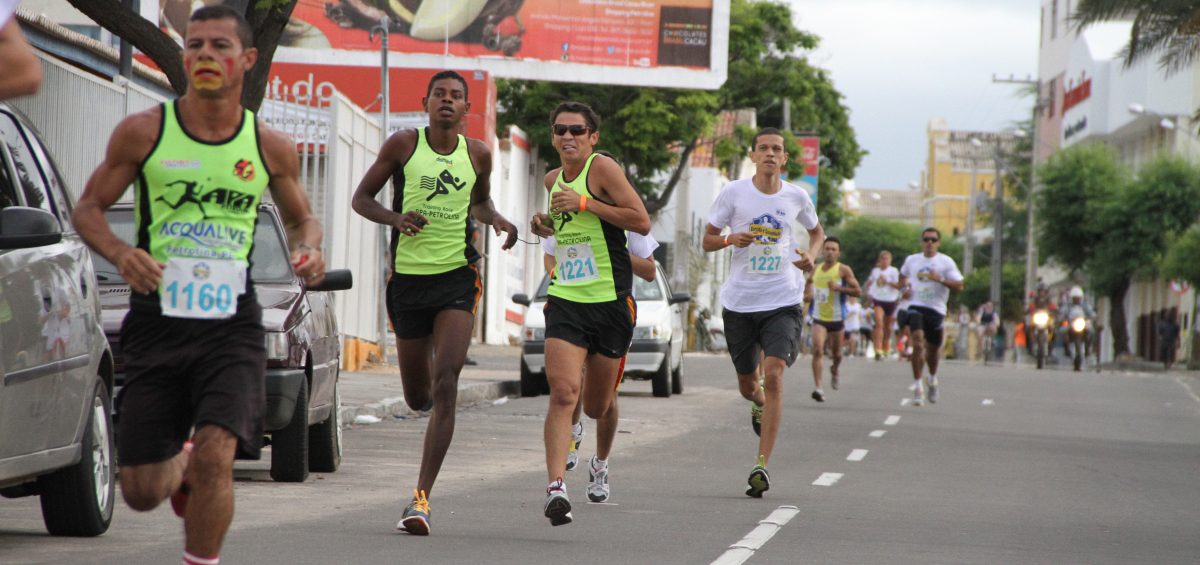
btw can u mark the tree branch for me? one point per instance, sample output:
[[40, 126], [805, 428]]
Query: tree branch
[[268, 26], [144, 35], [653, 205]]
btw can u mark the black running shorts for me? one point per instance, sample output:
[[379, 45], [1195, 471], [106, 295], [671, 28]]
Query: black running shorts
[[774, 332], [181, 373], [413, 301], [889, 308], [601, 327], [927, 320], [832, 327]]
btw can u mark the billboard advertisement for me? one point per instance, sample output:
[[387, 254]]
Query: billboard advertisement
[[810, 156], [667, 43]]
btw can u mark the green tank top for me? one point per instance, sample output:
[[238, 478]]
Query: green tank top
[[439, 187], [198, 199], [591, 256]]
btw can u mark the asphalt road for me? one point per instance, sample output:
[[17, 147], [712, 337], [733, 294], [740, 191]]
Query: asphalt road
[[1011, 466]]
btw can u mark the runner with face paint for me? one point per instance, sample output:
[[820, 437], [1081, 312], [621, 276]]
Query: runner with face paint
[[201, 165]]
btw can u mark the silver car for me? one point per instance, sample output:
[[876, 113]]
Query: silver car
[[56, 369]]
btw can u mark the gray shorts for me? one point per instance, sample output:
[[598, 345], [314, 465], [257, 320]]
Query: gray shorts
[[773, 332]]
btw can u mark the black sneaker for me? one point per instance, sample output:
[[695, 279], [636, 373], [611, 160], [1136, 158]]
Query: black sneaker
[[818, 396], [759, 480]]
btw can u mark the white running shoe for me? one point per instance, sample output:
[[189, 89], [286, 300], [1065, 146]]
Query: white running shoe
[[576, 440], [558, 506], [918, 394], [597, 490], [932, 382]]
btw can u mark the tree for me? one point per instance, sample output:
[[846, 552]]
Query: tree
[[1167, 28], [864, 237], [1078, 185], [977, 289], [1180, 263], [267, 19], [654, 131]]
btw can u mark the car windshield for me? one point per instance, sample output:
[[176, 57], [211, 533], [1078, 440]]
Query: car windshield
[[642, 290], [268, 258]]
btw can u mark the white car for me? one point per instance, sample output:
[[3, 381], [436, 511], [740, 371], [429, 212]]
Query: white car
[[655, 354]]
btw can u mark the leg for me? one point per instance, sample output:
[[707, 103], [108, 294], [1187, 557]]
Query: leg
[[772, 406], [564, 368], [606, 430], [210, 504], [932, 351], [601, 375], [415, 358], [144, 487], [451, 338], [819, 333], [918, 353], [836, 337], [887, 332], [877, 333]]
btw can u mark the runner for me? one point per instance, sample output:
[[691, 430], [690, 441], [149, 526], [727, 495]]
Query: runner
[[854, 316], [933, 275], [591, 312], [761, 297], [641, 258], [435, 285], [832, 282], [196, 364], [883, 286]]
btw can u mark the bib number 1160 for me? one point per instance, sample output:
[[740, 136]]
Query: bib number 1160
[[205, 297]]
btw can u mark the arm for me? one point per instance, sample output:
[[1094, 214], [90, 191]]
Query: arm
[[816, 241], [548, 262], [304, 231], [643, 268], [130, 143], [714, 241], [627, 210], [392, 155], [851, 288], [482, 207], [22, 70]]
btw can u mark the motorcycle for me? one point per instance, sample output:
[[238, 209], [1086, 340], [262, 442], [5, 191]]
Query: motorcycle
[[1041, 323], [1078, 339]]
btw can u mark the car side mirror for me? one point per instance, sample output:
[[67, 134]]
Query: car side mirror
[[679, 297], [337, 279], [522, 299], [22, 227]]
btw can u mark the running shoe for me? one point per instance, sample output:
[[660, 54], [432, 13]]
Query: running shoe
[[576, 439], [597, 490], [932, 382], [833, 382], [415, 519], [756, 418], [558, 506], [918, 394], [759, 480], [818, 395], [179, 498]]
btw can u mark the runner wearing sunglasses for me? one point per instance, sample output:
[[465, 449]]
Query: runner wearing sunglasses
[[932, 276]]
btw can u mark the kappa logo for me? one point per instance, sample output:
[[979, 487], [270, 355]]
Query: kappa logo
[[193, 193], [441, 184], [244, 170]]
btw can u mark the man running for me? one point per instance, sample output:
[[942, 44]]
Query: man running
[[440, 178], [641, 258], [832, 282], [591, 312], [196, 364], [932, 275], [883, 286], [761, 298]]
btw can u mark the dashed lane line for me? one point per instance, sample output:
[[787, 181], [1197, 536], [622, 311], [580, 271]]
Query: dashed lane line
[[828, 479], [857, 455], [877, 433], [739, 552], [891, 420]]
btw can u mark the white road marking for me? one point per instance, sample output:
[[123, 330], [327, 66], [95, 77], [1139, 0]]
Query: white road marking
[[891, 420], [739, 552], [877, 433], [988, 402], [857, 455], [905, 401], [827, 479]]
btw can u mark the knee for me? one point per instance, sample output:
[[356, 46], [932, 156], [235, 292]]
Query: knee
[[596, 409], [564, 394], [445, 393], [773, 386], [212, 458], [748, 385], [138, 496]]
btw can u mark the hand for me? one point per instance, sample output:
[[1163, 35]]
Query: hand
[[805, 263], [309, 264], [500, 224], [541, 225], [740, 240], [411, 223], [565, 201], [935, 276], [143, 273]]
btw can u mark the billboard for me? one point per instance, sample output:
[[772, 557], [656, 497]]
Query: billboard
[[666, 43], [810, 157]]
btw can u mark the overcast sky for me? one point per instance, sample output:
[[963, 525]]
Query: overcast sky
[[900, 63]]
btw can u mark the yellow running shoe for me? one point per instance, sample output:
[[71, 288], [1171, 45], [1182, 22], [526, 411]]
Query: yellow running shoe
[[415, 519]]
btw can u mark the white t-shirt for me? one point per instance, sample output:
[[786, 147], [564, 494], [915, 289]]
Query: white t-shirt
[[925, 292], [641, 245], [760, 275], [879, 288], [854, 312], [7, 7]]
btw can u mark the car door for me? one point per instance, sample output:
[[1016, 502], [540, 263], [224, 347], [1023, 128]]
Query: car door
[[677, 332]]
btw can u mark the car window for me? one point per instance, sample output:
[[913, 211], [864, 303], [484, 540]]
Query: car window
[[543, 291], [30, 183], [8, 194], [58, 190], [646, 290]]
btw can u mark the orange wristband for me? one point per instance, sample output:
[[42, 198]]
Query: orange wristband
[[583, 203], [726, 240]]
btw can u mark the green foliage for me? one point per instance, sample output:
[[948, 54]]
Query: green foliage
[[1079, 184], [1181, 261], [977, 289]]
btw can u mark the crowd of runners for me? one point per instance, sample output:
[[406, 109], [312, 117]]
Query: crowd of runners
[[193, 397]]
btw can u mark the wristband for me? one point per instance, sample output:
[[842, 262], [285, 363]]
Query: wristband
[[308, 247], [583, 203], [726, 240]]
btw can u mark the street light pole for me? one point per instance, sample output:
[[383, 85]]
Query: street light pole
[[997, 232], [969, 255]]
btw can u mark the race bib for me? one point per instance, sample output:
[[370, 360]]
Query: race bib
[[764, 260], [203, 289], [927, 295], [575, 264], [821, 295]]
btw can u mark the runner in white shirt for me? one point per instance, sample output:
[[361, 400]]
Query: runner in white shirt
[[761, 297], [883, 286], [932, 276], [854, 314]]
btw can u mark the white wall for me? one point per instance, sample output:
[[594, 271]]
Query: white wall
[[519, 269]]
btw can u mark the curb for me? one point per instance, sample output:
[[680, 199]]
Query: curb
[[395, 406]]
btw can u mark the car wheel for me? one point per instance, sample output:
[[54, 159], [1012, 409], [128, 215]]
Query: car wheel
[[660, 384], [325, 438], [289, 446], [677, 379], [531, 385], [78, 500]]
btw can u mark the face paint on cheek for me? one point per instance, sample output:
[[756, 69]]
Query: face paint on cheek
[[206, 75]]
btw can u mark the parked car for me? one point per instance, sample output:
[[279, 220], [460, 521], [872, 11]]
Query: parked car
[[56, 437], [303, 346], [655, 354]]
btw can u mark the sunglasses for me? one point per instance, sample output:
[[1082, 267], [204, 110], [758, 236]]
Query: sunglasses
[[575, 129], [929, 239]]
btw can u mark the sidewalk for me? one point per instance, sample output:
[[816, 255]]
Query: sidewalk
[[375, 393]]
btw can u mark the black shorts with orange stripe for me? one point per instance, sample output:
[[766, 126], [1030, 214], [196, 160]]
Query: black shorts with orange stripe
[[413, 301], [602, 327]]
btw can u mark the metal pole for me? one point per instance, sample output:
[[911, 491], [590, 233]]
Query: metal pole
[[126, 48], [997, 231], [385, 127], [969, 255], [1031, 250]]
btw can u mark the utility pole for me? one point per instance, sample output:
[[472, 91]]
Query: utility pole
[[385, 116], [997, 231], [1031, 251], [969, 255]]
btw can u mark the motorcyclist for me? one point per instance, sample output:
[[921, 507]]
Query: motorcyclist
[[1040, 301], [1076, 307]]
